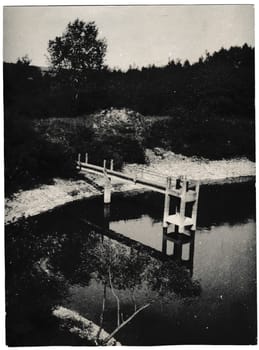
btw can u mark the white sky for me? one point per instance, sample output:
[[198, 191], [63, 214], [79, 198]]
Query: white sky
[[139, 35]]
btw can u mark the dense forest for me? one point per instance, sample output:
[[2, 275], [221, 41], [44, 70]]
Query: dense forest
[[209, 105]]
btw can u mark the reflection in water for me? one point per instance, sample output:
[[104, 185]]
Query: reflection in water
[[218, 204], [179, 240], [206, 297], [174, 240], [106, 216], [59, 261]]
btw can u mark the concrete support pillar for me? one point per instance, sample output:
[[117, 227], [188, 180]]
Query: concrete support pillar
[[167, 202], [195, 207], [107, 191], [182, 206]]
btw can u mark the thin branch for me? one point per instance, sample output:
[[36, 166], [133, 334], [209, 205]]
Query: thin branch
[[117, 298], [124, 323], [103, 310]]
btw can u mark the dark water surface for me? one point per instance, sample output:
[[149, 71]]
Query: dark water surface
[[200, 292]]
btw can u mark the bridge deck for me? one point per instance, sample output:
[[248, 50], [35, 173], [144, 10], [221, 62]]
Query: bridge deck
[[158, 186]]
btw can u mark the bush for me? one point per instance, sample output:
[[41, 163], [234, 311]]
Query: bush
[[115, 140], [33, 157], [29, 158], [212, 138], [117, 147]]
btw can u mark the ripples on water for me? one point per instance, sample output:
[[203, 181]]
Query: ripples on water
[[203, 291]]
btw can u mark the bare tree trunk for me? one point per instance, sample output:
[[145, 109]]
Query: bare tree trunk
[[119, 324], [116, 297], [103, 310]]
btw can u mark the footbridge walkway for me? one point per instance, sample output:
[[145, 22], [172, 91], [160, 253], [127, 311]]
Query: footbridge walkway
[[185, 189]]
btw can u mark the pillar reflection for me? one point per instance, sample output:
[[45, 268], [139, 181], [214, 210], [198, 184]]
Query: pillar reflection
[[173, 245]]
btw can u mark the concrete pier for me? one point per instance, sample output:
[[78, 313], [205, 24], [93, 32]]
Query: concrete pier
[[166, 202], [107, 191]]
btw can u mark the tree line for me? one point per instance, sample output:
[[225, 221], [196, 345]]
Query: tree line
[[219, 85]]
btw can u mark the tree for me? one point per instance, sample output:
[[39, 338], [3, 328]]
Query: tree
[[186, 64], [25, 60], [76, 52]]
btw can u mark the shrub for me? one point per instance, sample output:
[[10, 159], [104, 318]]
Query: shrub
[[29, 158], [120, 148], [213, 138]]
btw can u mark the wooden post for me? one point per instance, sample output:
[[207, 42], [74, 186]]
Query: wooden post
[[86, 158], [195, 207], [111, 165], [107, 185], [167, 202], [182, 206]]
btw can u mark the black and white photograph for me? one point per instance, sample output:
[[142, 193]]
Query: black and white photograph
[[129, 175]]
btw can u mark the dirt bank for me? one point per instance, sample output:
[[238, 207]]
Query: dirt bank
[[207, 171], [46, 197]]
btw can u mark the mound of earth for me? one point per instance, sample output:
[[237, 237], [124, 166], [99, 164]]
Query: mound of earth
[[119, 121]]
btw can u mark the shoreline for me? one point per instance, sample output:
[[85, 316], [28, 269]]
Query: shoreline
[[47, 197]]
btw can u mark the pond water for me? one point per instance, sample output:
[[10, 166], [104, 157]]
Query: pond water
[[201, 290]]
